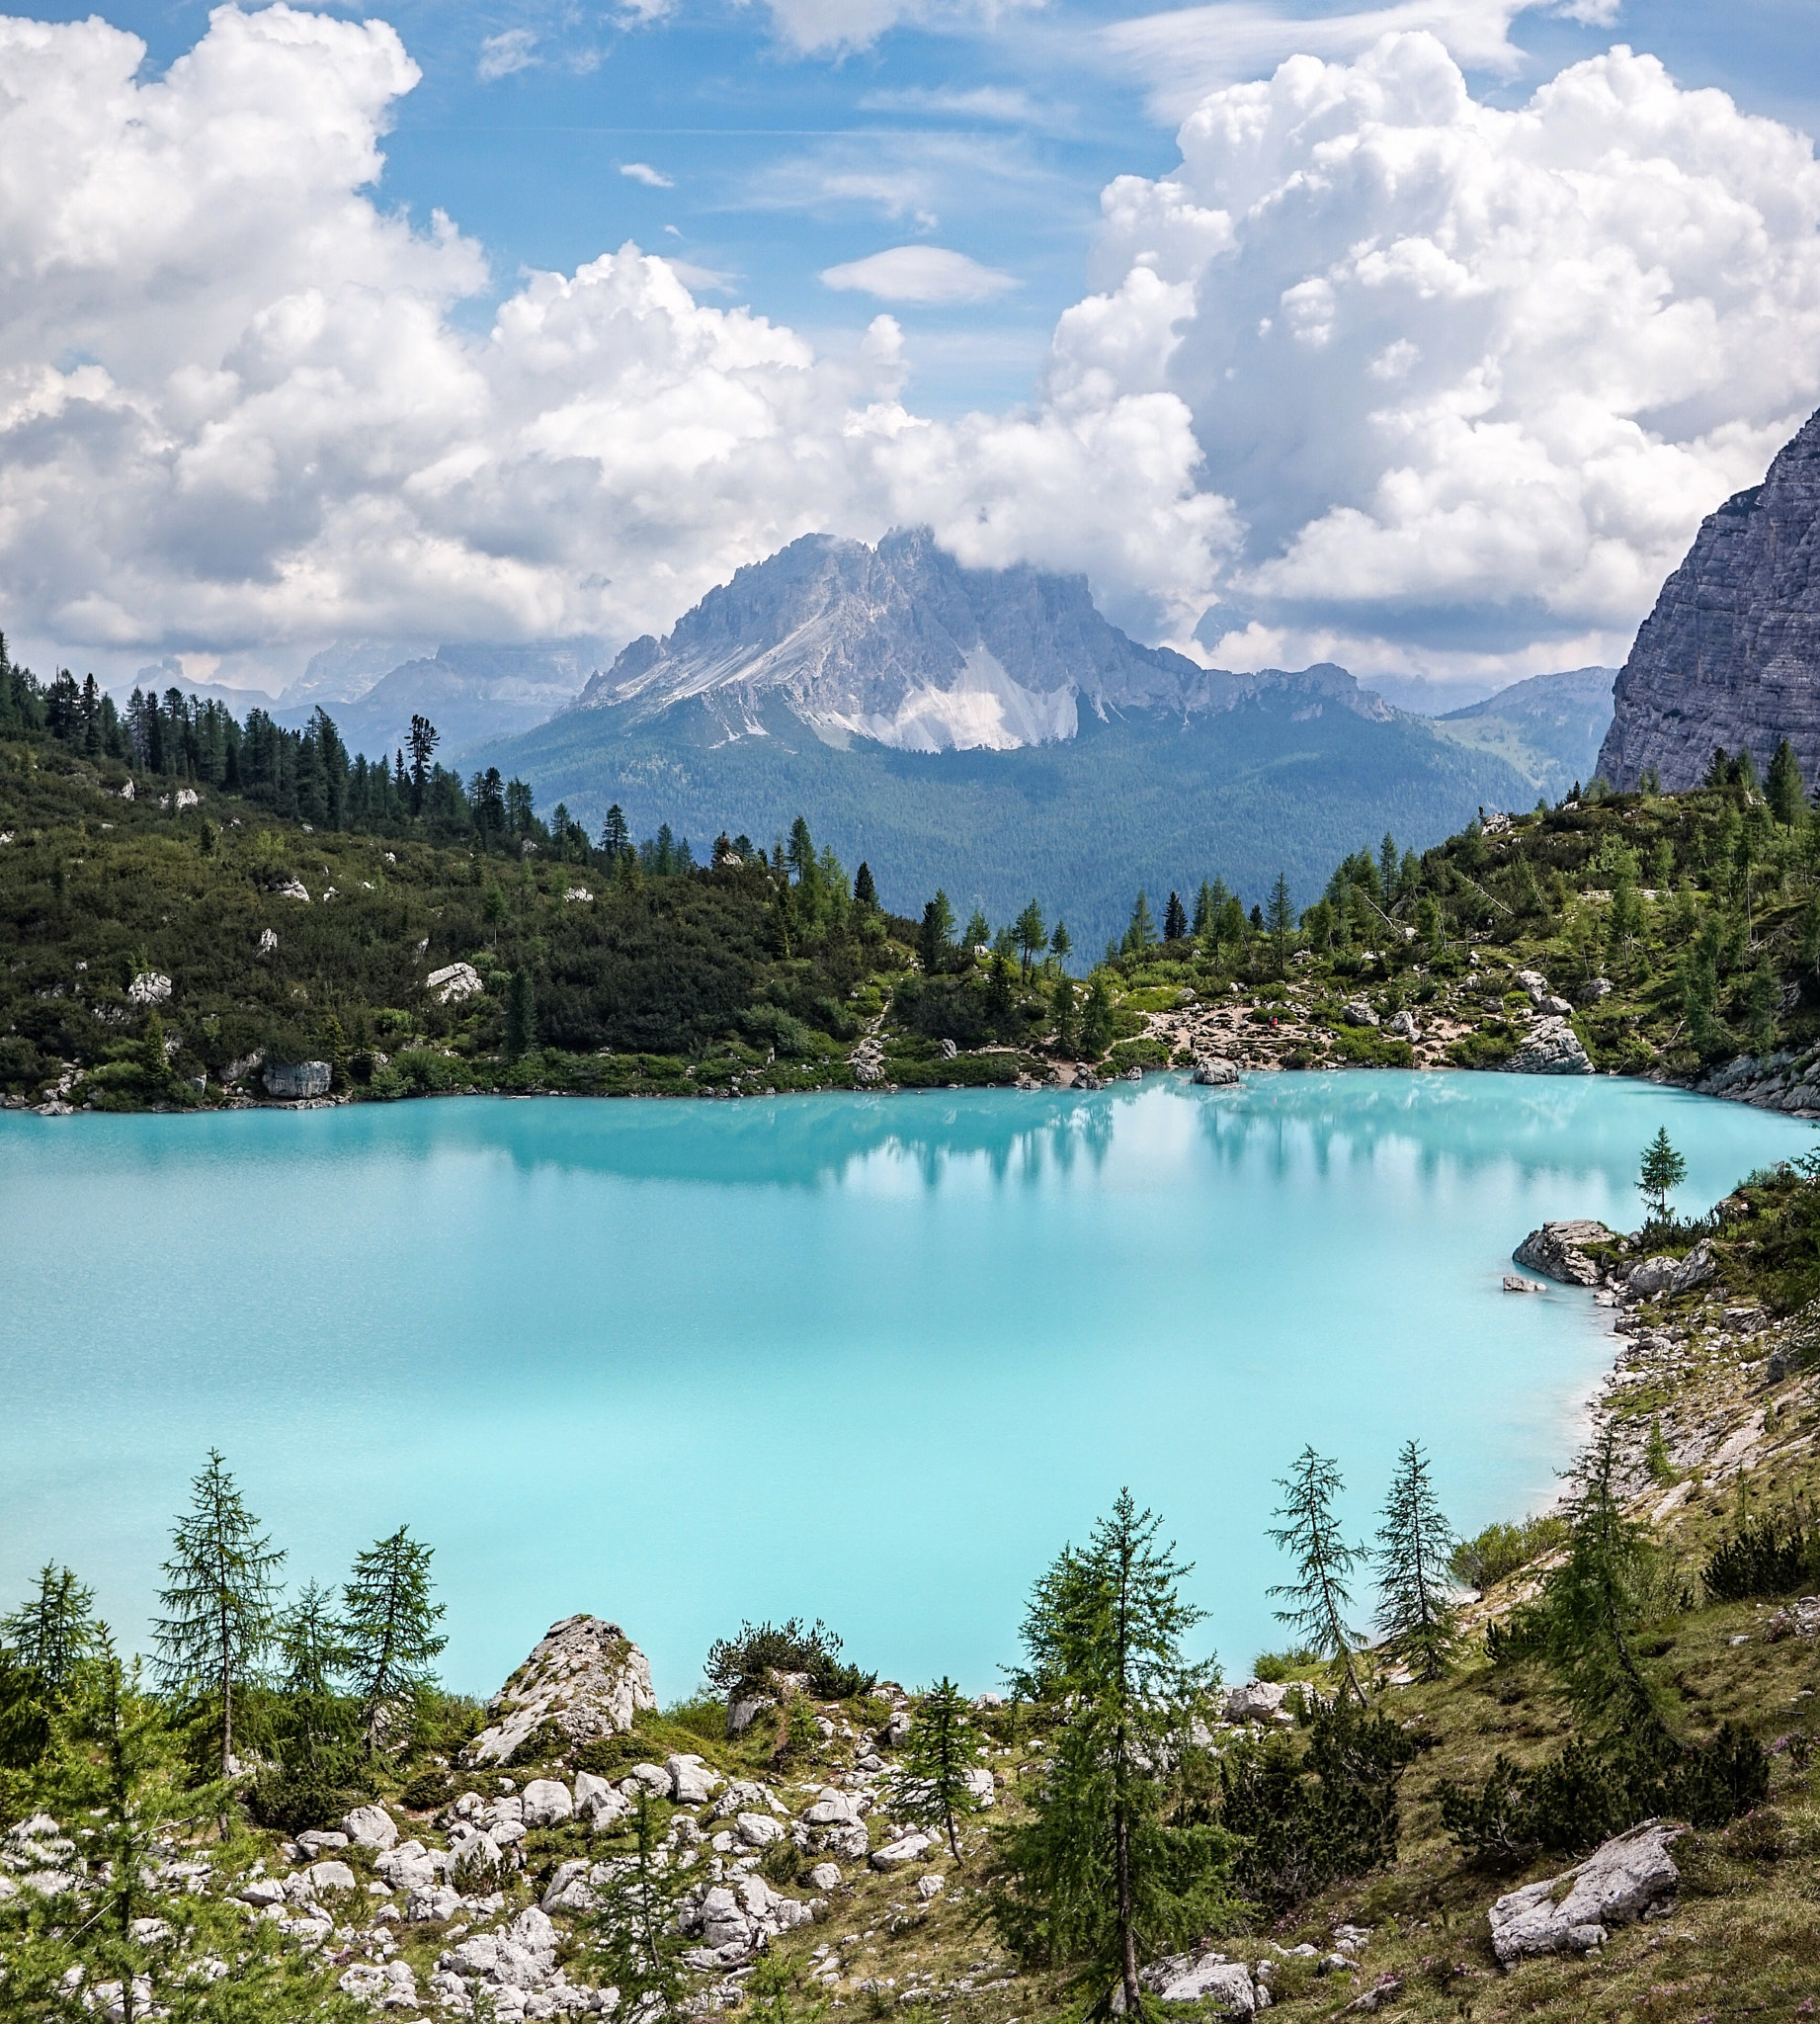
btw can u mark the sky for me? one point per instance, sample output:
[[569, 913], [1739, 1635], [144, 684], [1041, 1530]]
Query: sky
[[1418, 337]]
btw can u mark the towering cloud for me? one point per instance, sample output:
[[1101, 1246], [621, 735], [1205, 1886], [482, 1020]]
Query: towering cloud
[[1389, 372]]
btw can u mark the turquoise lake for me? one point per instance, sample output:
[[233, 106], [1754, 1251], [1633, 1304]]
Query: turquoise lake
[[872, 1359]]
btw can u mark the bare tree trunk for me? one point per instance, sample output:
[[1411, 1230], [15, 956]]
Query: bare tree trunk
[[1128, 1936]]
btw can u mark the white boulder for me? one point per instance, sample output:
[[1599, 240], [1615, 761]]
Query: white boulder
[[371, 1827], [455, 983], [1226, 1985], [896, 1855], [545, 1803], [1255, 1701], [758, 1831], [1569, 1913], [691, 1783]]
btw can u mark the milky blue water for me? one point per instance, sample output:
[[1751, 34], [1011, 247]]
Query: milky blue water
[[873, 1359]]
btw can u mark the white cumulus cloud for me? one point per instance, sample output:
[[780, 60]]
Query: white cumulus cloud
[[1471, 377], [920, 274], [503, 54], [241, 405], [642, 172]]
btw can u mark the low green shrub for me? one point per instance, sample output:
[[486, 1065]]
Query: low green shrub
[[1296, 1664], [1590, 1791], [1762, 1557], [750, 1657], [1501, 1548]]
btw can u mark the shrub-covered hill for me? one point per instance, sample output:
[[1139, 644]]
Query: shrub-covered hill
[[260, 898]]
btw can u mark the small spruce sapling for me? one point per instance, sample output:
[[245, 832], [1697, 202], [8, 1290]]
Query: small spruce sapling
[[934, 1785], [637, 1922], [390, 1624], [1414, 1611], [1316, 1602]]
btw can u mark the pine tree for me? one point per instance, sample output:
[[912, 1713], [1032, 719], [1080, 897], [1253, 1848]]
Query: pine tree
[[1175, 919], [616, 838], [314, 1654], [936, 938], [1281, 922], [1140, 936], [1662, 1171], [1062, 1009], [864, 892], [1787, 792], [1318, 1599], [1389, 867], [521, 1016], [940, 1754], [1204, 908], [1414, 1611], [389, 1622], [636, 1924], [1097, 1019], [978, 934], [53, 1632], [1060, 942], [1031, 933], [217, 1600], [999, 1000], [1097, 1873]]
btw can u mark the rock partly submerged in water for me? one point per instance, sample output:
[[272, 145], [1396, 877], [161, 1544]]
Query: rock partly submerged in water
[[1558, 1251], [1215, 1072], [1551, 1048], [297, 1081]]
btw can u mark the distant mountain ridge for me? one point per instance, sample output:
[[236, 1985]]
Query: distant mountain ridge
[[902, 645], [989, 731]]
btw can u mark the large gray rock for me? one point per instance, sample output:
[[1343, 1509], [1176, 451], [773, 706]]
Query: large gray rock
[[1568, 1913], [1555, 1251], [585, 1675], [371, 1827], [1551, 1048], [1731, 654], [1255, 1700], [1213, 1071], [1228, 1986], [297, 1081]]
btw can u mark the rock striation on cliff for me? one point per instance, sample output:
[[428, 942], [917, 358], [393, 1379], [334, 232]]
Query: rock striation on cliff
[[1731, 654]]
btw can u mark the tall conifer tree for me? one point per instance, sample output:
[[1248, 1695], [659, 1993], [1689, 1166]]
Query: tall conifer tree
[[1414, 1611]]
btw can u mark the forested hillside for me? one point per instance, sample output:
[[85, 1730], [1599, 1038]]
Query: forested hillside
[[191, 908]]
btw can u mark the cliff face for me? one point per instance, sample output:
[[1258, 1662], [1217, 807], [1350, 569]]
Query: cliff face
[[1731, 654]]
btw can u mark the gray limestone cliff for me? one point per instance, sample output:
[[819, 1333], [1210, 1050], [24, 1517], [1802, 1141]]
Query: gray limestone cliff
[[1731, 654]]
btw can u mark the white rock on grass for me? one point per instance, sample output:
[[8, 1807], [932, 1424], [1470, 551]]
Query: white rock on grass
[[585, 1675], [691, 1783], [654, 1778], [1255, 1701], [825, 1876], [1571, 1912], [927, 1887], [325, 1877], [1227, 1985], [896, 1855], [758, 1831], [547, 1804], [371, 1827], [979, 1782], [597, 1802], [455, 983]]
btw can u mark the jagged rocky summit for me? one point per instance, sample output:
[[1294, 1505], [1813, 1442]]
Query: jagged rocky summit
[[1731, 654], [902, 645]]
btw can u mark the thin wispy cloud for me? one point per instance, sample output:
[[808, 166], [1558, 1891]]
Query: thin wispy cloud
[[642, 172], [923, 274], [1183, 53], [995, 104], [503, 54]]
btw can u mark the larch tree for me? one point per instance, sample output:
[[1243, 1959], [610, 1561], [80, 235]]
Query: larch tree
[[1140, 936], [218, 1597], [1060, 942], [1786, 792], [1663, 1171], [1033, 934], [934, 1785], [1096, 1873], [53, 1631], [1281, 922], [1062, 1009], [1316, 1602], [389, 1622], [1415, 1610]]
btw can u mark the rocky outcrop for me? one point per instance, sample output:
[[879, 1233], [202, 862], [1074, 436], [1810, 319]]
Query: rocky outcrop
[[1551, 1048], [585, 1676], [1556, 1251], [1211, 1072], [1575, 1911], [1731, 654], [297, 1081]]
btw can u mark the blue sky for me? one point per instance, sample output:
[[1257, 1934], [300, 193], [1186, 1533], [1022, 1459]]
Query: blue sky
[[1429, 361]]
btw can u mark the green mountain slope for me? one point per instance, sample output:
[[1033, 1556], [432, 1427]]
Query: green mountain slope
[[1548, 728], [1279, 784]]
